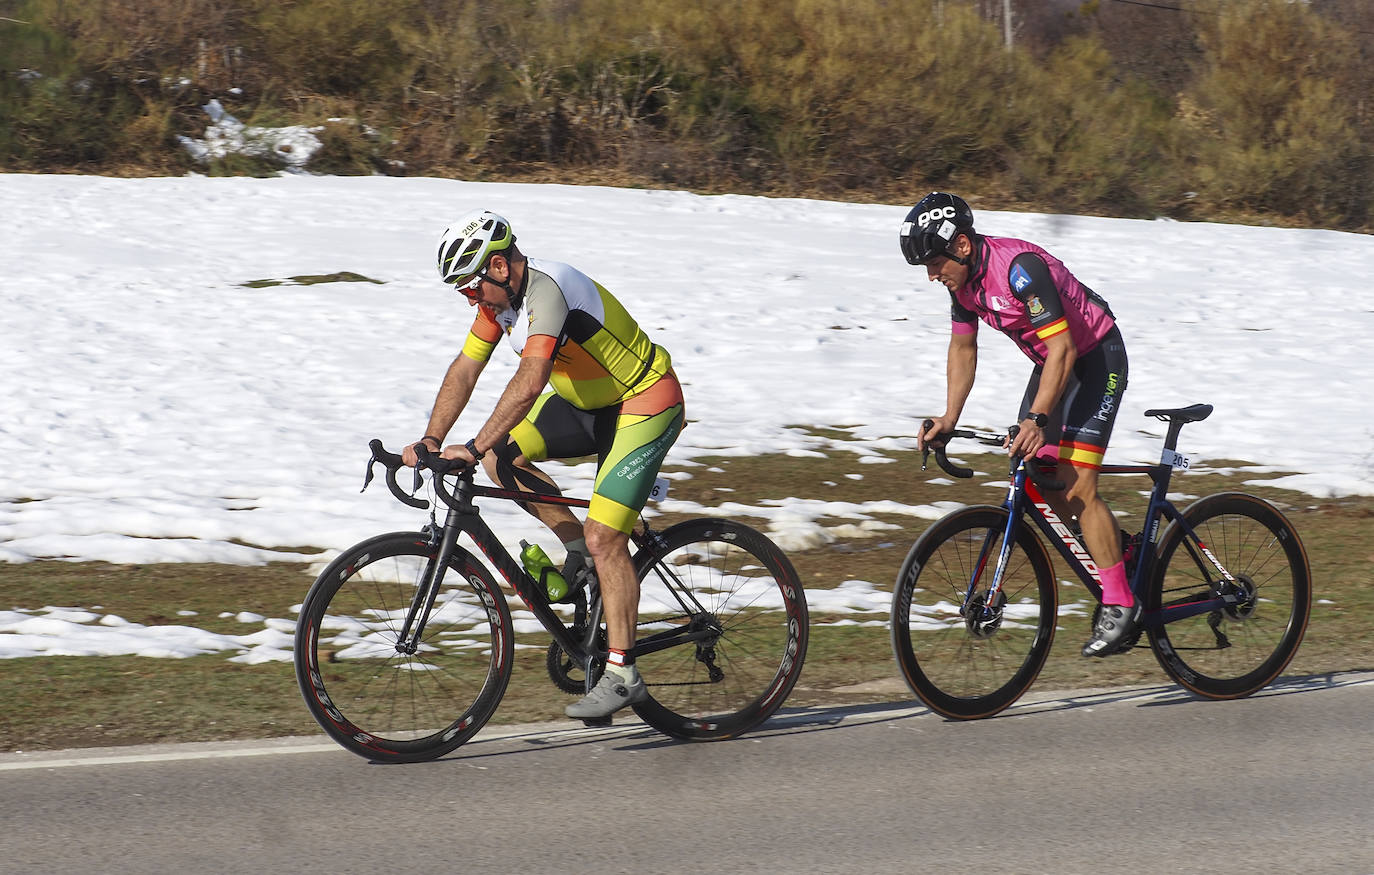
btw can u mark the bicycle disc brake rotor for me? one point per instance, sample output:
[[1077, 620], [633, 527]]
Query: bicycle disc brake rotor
[[1244, 609], [981, 620]]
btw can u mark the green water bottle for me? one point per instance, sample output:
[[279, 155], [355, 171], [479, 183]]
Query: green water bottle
[[542, 569]]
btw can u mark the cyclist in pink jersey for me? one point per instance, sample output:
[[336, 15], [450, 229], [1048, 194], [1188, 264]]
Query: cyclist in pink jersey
[[1075, 389]]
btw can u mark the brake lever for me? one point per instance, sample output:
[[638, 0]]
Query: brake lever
[[370, 473], [926, 426]]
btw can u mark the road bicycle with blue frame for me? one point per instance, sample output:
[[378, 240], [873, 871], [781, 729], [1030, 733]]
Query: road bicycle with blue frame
[[1225, 588], [405, 642]]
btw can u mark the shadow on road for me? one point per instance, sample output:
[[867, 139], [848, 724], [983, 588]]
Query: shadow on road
[[634, 735]]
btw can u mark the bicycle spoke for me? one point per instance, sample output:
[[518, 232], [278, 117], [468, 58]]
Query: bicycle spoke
[[747, 609], [1238, 649], [968, 660], [376, 699]]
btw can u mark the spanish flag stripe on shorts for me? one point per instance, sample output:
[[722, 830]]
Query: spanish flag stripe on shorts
[[1080, 455]]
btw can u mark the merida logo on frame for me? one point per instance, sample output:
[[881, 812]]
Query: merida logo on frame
[[1070, 540]]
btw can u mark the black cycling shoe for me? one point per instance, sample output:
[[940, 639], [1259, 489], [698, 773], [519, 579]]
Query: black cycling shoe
[[1114, 630]]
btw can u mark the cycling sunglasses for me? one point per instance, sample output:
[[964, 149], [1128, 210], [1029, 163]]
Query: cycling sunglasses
[[468, 287]]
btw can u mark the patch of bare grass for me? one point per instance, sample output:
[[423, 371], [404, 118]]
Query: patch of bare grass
[[63, 702]]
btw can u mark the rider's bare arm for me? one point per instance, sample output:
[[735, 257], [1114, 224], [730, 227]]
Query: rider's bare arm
[[525, 386], [450, 400], [960, 368], [1060, 354]]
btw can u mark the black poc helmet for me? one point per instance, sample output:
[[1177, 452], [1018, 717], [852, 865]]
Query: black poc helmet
[[932, 225]]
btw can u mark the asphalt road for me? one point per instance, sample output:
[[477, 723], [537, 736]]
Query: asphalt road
[[1144, 780]]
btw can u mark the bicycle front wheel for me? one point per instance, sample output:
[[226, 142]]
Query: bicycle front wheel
[[967, 656], [732, 601], [1237, 649], [391, 697]]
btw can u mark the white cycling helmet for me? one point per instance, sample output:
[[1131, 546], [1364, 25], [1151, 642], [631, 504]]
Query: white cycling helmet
[[469, 242]]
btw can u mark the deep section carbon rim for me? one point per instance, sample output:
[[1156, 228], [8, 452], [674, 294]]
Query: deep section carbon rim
[[402, 703], [737, 594], [968, 662]]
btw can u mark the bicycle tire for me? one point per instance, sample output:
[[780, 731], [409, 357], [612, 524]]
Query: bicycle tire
[[1233, 652], [960, 667], [385, 705], [742, 586]]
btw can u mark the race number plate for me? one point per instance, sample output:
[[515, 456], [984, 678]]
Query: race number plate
[[1175, 460], [660, 490]]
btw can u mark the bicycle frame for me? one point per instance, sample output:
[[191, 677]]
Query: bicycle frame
[[463, 518], [1025, 499]]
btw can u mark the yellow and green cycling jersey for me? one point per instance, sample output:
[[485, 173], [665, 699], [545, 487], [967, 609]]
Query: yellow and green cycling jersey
[[600, 355], [615, 394]]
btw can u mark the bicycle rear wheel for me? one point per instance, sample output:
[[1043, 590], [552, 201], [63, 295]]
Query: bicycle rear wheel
[[371, 697], [1232, 651], [733, 586], [972, 663]]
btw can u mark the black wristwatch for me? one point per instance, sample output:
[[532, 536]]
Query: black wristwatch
[[471, 447], [1041, 420]]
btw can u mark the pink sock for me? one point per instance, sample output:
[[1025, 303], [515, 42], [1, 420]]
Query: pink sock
[[1115, 589]]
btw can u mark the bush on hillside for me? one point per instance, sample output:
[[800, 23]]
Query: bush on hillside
[[1266, 115], [1265, 128]]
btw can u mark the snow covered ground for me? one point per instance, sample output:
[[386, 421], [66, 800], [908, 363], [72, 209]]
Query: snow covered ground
[[157, 408]]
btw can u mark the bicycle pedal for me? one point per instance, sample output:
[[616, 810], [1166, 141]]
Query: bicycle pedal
[[597, 722]]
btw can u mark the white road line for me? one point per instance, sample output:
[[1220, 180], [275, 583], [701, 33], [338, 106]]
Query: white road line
[[10, 762], [787, 721], [19, 761]]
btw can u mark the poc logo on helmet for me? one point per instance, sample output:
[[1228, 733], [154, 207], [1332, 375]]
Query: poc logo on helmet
[[937, 213]]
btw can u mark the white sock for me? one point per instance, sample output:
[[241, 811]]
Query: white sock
[[626, 673]]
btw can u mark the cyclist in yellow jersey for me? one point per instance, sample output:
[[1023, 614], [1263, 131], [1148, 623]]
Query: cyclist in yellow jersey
[[614, 394]]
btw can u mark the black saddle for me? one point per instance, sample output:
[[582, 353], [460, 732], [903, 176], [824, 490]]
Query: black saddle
[[1191, 413]]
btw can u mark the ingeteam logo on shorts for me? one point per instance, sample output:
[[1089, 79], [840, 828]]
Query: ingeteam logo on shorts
[[1109, 399]]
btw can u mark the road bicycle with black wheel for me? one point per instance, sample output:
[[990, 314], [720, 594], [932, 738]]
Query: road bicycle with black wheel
[[405, 642], [1225, 588]]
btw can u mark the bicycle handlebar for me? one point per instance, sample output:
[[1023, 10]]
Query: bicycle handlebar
[[441, 466], [939, 442], [1034, 467], [394, 463]]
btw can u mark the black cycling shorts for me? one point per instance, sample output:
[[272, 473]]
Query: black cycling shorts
[[1081, 423]]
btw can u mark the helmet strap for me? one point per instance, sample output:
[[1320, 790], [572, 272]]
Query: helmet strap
[[511, 295], [514, 296], [962, 259]]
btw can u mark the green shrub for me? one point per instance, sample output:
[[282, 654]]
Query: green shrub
[[333, 47], [351, 148], [1088, 139], [867, 98], [1265, 126]]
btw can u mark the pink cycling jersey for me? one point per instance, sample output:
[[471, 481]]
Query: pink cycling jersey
[[1027, 294]]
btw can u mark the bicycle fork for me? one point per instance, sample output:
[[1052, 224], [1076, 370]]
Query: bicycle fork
[[413, 629], [983, 611]]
